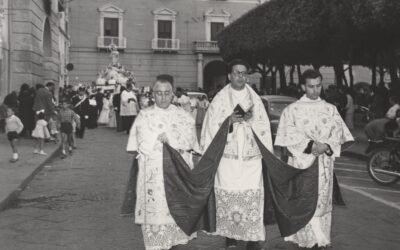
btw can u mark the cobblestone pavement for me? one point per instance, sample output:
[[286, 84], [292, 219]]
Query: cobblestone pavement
[[73, 204]]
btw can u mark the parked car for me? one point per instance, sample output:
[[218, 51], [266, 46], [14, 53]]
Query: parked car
[[274, 105]]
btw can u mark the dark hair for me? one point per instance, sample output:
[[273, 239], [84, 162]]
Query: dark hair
[[235, 62], [39, 86], [24, 87], [165, 78], [310, 74], [40, 116], [50, 84], [65, 100]]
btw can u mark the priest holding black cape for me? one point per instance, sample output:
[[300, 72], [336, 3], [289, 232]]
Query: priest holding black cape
[[203, 198]]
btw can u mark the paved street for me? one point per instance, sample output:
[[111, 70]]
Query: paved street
[[73, 204]]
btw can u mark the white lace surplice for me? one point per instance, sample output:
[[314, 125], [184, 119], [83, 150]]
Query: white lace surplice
[[159, 228], [239, 189], [316, 120]]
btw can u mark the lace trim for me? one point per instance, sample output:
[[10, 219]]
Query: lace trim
[[240, 214], [158, 237]]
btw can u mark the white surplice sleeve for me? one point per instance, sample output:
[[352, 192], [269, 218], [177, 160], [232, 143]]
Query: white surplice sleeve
[[295, 140], [211, 125], [339, 134], [133, 135]]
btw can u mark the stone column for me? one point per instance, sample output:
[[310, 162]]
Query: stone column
[[200, 70]]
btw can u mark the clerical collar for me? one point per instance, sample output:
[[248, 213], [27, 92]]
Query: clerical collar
[[304, 98], [238, 91], [161, 109]]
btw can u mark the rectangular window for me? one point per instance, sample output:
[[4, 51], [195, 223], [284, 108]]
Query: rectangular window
[[111, 27], [164, 29], [216, 28]]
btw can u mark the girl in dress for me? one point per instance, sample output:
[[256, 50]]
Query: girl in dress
[[105, 111], [40, 133], [112, 123]]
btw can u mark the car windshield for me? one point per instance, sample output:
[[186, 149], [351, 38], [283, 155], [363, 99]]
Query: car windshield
[[276, 107]]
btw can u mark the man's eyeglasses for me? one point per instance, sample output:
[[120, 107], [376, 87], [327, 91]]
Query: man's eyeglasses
[[240, 74]]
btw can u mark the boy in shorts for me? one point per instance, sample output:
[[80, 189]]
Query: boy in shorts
[[66, 117], [13, 128]]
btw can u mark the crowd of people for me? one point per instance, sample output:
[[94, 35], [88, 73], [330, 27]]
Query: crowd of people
[[36, 113], [235, 140]]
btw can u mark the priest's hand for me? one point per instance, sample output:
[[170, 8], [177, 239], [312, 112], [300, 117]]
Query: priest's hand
[[234, 118], [319, 148], [248, 115], [163, 138]]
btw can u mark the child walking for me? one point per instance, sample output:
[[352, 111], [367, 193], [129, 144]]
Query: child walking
[[67, 117], [40, 132], [13, 127]]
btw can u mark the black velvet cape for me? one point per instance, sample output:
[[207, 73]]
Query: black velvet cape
[[291, 194]]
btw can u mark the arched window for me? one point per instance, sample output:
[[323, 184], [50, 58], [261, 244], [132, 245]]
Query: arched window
[[47, 38]]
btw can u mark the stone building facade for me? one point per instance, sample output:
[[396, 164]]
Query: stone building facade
[[34, 42], [153, 37]]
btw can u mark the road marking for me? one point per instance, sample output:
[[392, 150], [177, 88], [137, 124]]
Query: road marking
[[375, 198], [377, 189], [363, 179], [351, 170]]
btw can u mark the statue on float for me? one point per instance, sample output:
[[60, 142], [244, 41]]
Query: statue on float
[[114, 73]]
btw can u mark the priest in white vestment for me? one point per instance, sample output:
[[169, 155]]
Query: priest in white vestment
[[238, 185], [154, 125], [313, 130]]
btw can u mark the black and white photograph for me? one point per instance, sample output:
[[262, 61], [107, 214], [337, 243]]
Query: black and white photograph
[[199, 124]]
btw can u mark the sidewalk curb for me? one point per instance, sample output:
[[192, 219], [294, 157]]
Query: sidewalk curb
[[358, 156], [12, 197]]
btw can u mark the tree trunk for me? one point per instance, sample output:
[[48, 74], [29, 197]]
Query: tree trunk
[[282, 77], [393, 73], [339, 74], [351, 76], [316, 66], [298, 73], [381, 74], [273, 79], [292, 68]]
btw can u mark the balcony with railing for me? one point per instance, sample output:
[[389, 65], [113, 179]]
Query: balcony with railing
[[105, 42], [161, 44], [206, 47]]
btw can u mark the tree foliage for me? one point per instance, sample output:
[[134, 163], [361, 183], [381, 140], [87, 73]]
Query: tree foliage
[[317, 32]]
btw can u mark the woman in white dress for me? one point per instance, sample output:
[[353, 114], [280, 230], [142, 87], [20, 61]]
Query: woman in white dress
[[112, 123], [105, 112]]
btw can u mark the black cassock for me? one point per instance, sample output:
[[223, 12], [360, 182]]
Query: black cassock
[[291, 194]]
